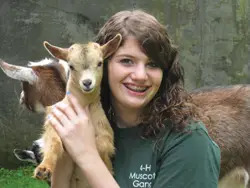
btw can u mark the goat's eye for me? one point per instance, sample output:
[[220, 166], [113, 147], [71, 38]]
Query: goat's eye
[[71, 67], [99, 64]]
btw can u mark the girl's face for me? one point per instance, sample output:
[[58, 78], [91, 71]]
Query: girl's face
[[133, 78]]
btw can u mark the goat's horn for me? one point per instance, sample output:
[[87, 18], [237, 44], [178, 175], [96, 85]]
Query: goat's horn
[[19, 73]]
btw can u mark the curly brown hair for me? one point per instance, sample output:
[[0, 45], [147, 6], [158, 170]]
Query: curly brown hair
[[172, 105]]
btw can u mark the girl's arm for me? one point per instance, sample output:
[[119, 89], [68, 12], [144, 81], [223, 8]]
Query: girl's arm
[[96, 172]]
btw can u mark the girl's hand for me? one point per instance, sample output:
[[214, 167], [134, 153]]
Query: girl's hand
[[74, 126]]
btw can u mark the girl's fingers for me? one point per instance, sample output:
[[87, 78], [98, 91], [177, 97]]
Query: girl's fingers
[[75, 105], [67, 110], [56, 125], [60, 117]]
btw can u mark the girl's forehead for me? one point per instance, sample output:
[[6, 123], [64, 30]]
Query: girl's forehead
[[131, 47]]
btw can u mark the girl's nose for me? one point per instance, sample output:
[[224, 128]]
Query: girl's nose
[[140, 73]]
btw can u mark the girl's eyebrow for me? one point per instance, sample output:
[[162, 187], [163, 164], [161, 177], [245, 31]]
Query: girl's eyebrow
[[130, 56], [126, 55]]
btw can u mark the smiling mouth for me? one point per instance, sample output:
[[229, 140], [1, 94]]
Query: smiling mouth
[[139, 89]]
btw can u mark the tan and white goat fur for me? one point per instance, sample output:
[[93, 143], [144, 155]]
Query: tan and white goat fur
[[86, 63]]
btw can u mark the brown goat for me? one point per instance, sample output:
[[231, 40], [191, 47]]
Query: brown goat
[[226, 114], [43, 82]]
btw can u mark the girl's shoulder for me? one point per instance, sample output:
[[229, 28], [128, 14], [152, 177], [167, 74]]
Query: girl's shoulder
[[194, 135], [188, 158]]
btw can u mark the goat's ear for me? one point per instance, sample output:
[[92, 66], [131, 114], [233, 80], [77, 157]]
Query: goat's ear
[[25, 74], [57, 52], [111, 46], [25, 155]]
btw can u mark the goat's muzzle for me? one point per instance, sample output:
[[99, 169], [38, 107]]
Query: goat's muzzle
[[87, 85]]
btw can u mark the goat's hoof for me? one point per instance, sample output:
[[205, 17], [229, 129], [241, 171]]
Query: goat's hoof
[[43, 173]]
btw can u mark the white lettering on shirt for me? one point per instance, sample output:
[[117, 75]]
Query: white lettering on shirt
[[144, 178]]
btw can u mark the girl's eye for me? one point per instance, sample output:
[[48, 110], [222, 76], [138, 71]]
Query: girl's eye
[[153, 65], [71, 67], [126, 61]]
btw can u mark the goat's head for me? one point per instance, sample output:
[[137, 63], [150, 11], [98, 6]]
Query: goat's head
[[43, 82], [32, 155], [85, 62]]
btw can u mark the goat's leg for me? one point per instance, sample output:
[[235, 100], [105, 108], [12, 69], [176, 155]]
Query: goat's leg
[[82, 183], [105, 146], [247, 177], [105, 154], [52, 151], [104, 135], [238, 177], [80, 179], [62, 175]]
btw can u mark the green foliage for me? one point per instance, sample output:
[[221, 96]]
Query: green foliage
[[242, 10], [20, 178]]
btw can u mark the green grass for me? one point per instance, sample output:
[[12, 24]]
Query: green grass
[[20, 178]]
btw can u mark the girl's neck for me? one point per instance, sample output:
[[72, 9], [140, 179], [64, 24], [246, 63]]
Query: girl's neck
[[126, 118]]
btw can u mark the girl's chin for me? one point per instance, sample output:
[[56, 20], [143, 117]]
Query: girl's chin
[[135, 103]]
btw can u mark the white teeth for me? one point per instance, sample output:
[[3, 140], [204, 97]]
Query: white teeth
[[136, 88]]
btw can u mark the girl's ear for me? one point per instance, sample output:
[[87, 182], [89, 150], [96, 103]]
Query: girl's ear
[[57, 52], [111, 46]]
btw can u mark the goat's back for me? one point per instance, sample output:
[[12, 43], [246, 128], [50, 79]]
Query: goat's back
[[226, 113]]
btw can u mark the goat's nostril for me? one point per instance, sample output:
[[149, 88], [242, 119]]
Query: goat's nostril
[[87, 82]]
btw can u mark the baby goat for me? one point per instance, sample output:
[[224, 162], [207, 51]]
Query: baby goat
[[86, 62]]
